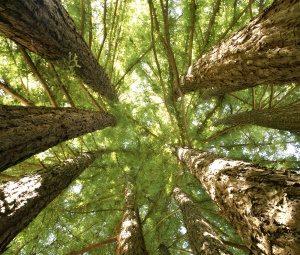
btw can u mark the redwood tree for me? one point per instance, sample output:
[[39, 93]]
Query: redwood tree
[[45, 28], [22, 200], [262, 204], [131, 240], [25, 131], [203, 240], [265, 51], [284, 118]]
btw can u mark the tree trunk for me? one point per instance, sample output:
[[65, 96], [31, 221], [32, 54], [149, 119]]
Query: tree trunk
[[283, 118], [265, 51], [131, 240], [21, 201], [203, 240], [25, 131], [45, 28], [163, 250], [263, 205]]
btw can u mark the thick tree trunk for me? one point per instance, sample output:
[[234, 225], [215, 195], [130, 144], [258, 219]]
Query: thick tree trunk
[[263, 205], [265, 51], [25, 131], [131, 240], [45, 28], [283, 118], [163, 250], [21, 201], [203, 240]]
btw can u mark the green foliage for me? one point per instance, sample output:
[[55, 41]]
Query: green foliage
[[150, 124]]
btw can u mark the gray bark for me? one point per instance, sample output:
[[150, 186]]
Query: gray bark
[[22, 200]]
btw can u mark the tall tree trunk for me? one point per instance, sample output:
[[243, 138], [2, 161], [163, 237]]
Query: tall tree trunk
[[284, 118], [131, 240], [45, 28], [203, 240], [22, 200], [25, 131], [265, 51], [263, 205]]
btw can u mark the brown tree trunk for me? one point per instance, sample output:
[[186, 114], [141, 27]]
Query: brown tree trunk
[[263, 205], [203, 240], [163, 250], [45, 28], [283, 118], [265, 51], [131, 240], [25, 131], [22, 200]]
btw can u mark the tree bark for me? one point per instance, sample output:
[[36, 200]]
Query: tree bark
[[262, 204], [22, 200], [25, 131], [266, 51], [203, 240], [131, 240], [45, 28], [283, 118]]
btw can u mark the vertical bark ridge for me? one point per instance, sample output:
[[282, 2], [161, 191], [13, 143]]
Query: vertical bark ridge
[[283, 118], [25, 131], [131, 240], [45, 28], [203, 240], [262, 204], [265, 51], [22, 200]]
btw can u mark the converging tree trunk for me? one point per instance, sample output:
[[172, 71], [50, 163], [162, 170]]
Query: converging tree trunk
[[283, 118], [265, 51], [22, 200], [25, 131], [203, 240], [45, 28], [131, 240], [263, 205]]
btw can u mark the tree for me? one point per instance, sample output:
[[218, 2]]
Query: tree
[[261, 204], [22, 200], [131, 240], [283, 118], [26, 131], [46, 29], [262, 52], [203, 239], [144, 47]]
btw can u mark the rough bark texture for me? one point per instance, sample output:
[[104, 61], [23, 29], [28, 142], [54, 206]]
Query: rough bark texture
[[203, 240], [45, 28], [22, 200], [131, 240], [263, 205], [267, 50], [25, 131], [163, 250], [283, 118]]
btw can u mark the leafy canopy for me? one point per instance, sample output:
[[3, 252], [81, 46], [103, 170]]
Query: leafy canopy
[[144, 47]]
